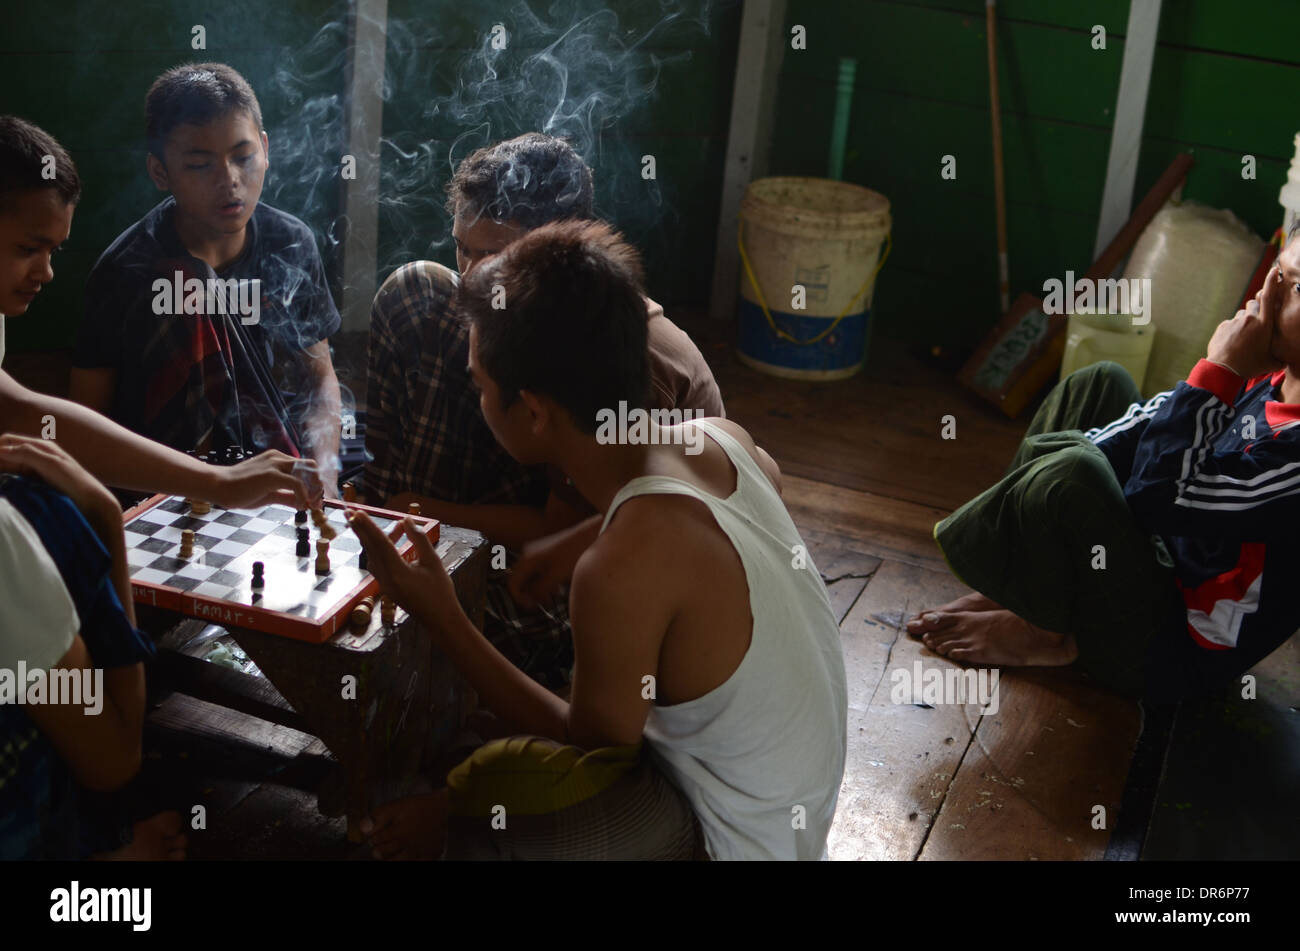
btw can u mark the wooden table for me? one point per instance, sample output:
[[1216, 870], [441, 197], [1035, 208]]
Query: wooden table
[[383, 701]]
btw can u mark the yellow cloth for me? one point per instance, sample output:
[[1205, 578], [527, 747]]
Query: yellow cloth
[[531, 775]]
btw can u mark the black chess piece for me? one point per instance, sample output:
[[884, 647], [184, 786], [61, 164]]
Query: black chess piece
[[362, 560], [300, 517], [304, 542], [258, 580]]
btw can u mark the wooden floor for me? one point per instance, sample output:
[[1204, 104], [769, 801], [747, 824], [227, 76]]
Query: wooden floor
[[867, 474]]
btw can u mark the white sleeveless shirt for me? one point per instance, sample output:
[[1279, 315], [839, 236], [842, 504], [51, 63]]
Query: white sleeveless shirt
[[761, 757]]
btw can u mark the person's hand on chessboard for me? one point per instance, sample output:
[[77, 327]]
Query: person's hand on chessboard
[[272, 476], [423, 587]]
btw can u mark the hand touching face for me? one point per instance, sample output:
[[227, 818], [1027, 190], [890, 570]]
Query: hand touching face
[[1246, 342]]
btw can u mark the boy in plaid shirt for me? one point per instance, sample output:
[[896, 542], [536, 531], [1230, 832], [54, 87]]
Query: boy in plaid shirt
[[423, 425]]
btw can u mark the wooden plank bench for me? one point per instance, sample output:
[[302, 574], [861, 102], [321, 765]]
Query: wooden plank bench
[[409, 705]]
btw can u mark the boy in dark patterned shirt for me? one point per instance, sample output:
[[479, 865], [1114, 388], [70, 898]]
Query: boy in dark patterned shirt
[[207, 321]]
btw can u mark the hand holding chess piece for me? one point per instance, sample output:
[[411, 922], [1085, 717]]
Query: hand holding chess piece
[[322, 524], [271, 477], [424, 588]]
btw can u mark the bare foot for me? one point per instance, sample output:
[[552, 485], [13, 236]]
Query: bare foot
[[410, 828], [156, 839], [999, 639], [974, 601]]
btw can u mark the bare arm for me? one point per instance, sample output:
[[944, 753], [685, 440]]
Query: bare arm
[[620, 615], [549, 562], [511, 525], [103, 749], [621, 607], [124, 459], [427, 592], [101, 743]]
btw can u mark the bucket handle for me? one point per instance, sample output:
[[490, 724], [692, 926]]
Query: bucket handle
[[753, 281]]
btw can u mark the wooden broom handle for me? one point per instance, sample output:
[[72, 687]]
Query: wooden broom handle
[[999, 189]]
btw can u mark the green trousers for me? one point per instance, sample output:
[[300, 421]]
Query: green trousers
[[1056, 543]]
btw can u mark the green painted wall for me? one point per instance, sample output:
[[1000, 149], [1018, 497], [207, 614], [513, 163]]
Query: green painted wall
[[81, 69], [1218, 90]]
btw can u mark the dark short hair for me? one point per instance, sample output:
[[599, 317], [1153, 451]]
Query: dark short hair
[[573, 325], [23, 163], [528, 180], [195, 94]]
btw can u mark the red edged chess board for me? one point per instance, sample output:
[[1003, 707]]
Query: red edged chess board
[[215, 582]]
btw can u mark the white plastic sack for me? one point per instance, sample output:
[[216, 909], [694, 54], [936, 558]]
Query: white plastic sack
[[1199, 260]]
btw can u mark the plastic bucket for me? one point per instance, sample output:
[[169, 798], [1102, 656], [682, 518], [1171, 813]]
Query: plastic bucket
[[816, 243], [1092, 338]]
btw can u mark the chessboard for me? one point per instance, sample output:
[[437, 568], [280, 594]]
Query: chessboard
[[215, 582]]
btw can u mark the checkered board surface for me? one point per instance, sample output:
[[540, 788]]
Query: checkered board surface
[[215, 584]]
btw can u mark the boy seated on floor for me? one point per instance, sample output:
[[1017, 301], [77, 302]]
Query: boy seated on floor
[[66, 618], [1152, 543], [207, 320], [429, 442], [65, 606], [690, 623]]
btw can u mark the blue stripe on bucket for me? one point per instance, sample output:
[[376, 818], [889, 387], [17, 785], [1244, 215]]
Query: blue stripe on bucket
[[843, 348]]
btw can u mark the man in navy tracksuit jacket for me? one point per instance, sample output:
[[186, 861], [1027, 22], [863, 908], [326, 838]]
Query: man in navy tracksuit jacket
[[1153, 546]]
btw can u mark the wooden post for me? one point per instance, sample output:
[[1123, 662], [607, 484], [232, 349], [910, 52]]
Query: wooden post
[[749, 139], [1130, 115], [364, 83]]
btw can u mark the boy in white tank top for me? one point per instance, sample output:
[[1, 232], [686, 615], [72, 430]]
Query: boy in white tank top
[[708, 707]]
